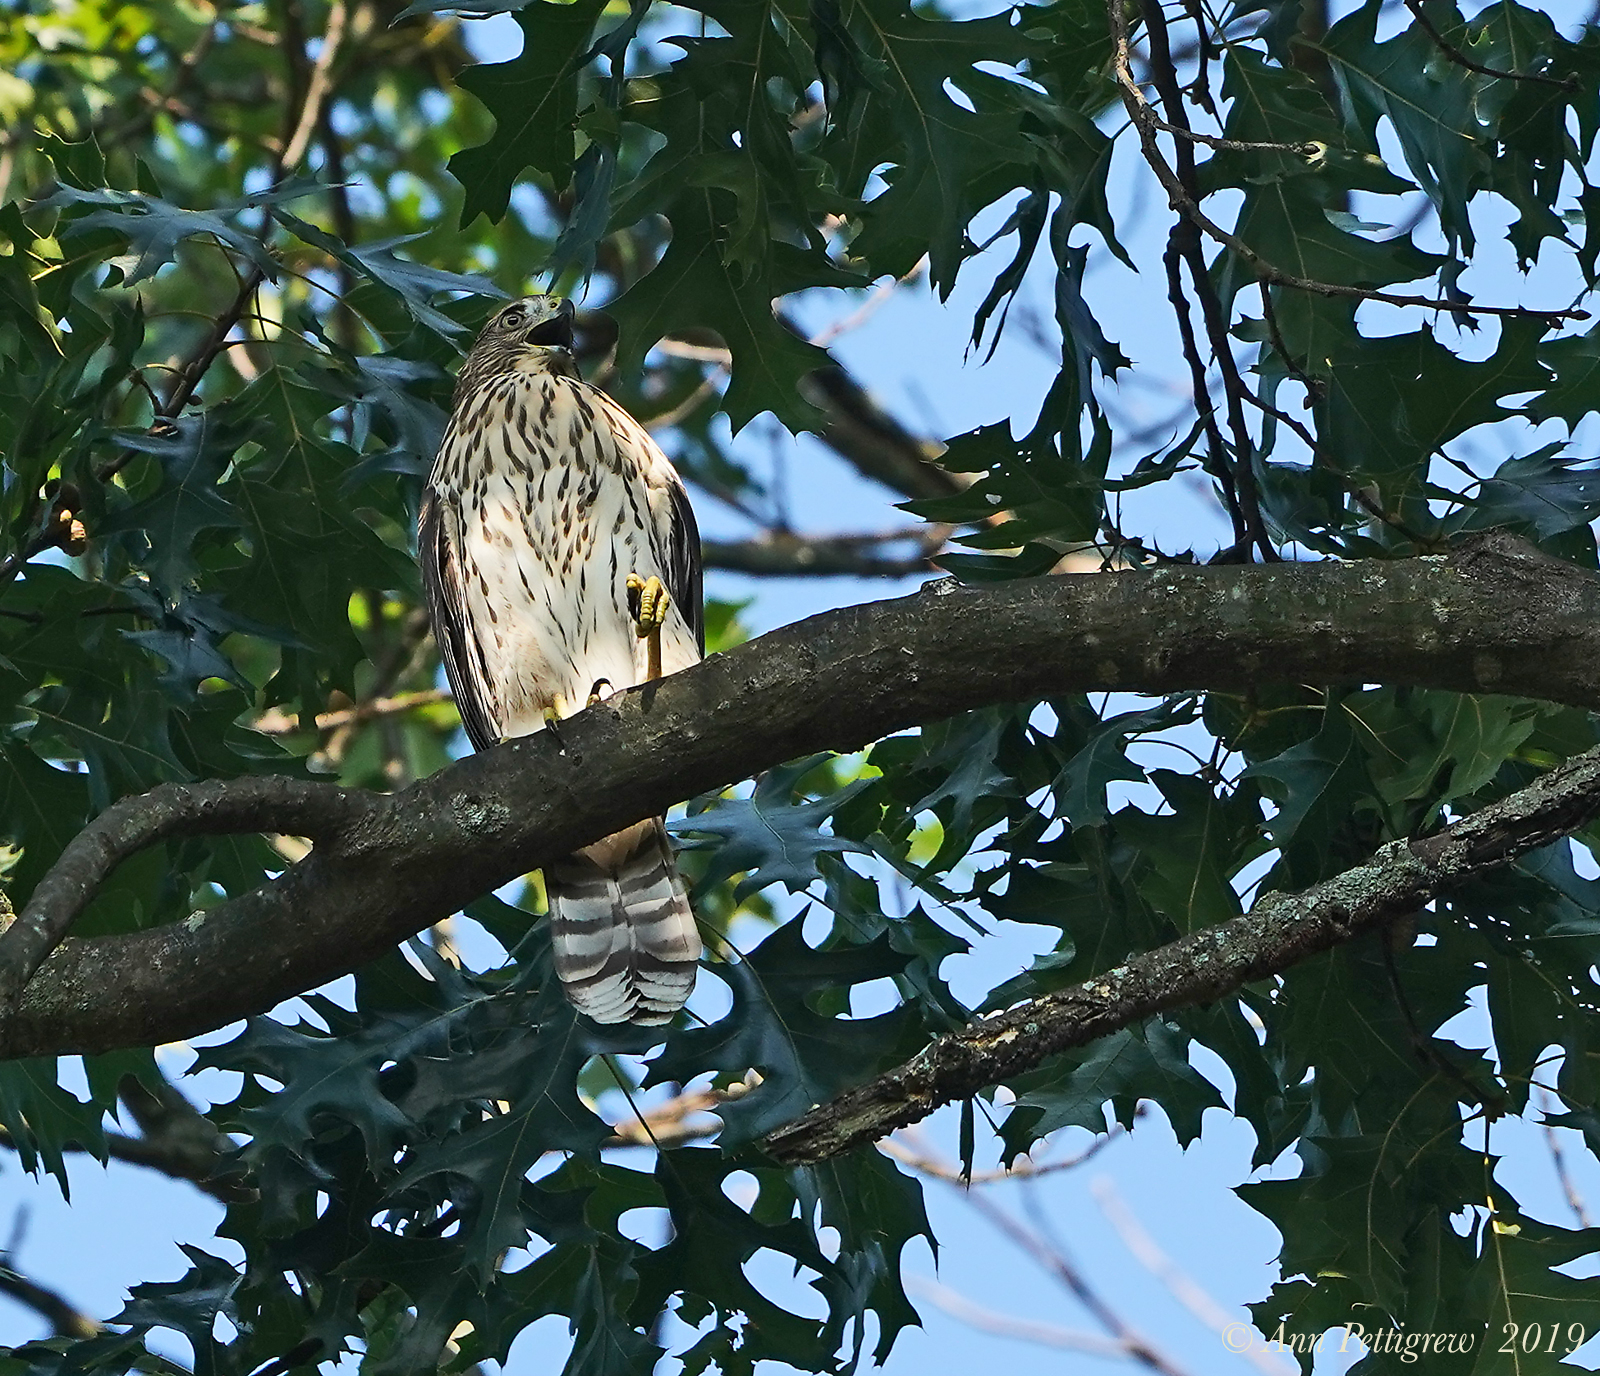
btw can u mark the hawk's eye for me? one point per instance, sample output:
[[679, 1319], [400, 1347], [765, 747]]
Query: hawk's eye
[[513, 317]]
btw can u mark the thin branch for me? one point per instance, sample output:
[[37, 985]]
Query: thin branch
[[318, 89], [682, 1118], [1145, 122], [1311, 151], [1455, 54], [873, 442], [1186, 240], [783, 554], [178, 1140], [1356, 492], [156, 1156], [1500, 617], [868, 308], [155, 100], [1217, 452], [1314, 386], [1182, 1287], [399, 661], [963, 1310], [709, 387], [1278, 932], [276, 723], [1558, 1159], [925, 1163], [64, 1317], [859, 430], [1060, 1267], [304, 126]]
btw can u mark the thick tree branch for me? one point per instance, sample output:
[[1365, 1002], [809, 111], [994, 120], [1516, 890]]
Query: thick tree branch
[[1495, 617], [217, 807], [1281, 930]]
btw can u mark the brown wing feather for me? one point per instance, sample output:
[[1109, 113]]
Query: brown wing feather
[[685, 578], [683, 568], [463, 664]]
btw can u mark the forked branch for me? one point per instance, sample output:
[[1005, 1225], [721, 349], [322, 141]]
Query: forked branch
[[1495, 616]]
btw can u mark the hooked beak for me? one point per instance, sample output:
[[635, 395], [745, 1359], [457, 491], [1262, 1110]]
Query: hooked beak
[[555, 332]]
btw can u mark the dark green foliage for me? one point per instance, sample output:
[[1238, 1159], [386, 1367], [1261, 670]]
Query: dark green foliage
[[234, 372]]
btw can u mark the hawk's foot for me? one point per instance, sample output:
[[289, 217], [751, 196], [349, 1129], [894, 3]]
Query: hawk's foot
[[599, 692], [648, 601], [554, 715], [647, 604]]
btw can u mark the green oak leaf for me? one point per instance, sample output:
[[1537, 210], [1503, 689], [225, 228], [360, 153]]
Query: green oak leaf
[[534, 99]]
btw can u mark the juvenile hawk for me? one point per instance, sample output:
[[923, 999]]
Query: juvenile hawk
[[562, 563]]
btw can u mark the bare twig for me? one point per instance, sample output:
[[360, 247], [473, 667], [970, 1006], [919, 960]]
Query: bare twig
[[1060, 1267], [919, 1159], [1216, 450], [963, 1310], [858, 556], [303, 127], [1310, 150], [1249, 528], [868, 308], [276, 723], [710, 386], [1183, 1288], [178, 1165], [1356, 492], [683, 1118], [1558, 1159], [188, 64], [317, 90], [402, 658], [1314, 387], [64, 1317]]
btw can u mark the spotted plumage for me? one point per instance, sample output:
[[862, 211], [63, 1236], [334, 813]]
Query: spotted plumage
[[550, 524]]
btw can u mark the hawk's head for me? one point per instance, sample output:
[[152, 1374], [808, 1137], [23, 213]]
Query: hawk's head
[[536, 330]]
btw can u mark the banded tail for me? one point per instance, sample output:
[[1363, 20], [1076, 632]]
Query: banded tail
[[626, 944]]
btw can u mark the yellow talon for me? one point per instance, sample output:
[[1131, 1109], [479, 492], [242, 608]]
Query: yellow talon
[[648, 601]]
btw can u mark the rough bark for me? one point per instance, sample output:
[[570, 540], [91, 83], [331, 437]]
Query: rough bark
[[1279, 931], [1493, 618]]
